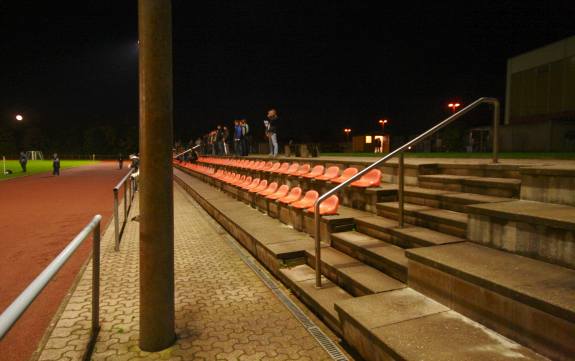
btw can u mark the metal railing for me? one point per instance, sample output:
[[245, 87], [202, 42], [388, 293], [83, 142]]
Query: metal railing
[[129, 189], [21, 303], [399, 151]]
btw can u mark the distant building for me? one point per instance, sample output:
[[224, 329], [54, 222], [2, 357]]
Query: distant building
[[540, 100]]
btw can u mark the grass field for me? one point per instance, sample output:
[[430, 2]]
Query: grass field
[[463, 155], [38, 166]]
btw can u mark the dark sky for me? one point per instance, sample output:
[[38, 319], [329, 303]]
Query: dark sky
[[325, 65]]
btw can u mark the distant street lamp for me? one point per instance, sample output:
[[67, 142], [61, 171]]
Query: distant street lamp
[[19, 117], [382, 122], [347, 131], [453, 106]]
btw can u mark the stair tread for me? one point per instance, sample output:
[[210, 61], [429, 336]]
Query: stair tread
[[373, 245], [447, 178], [414, 327], [359, 272], [493, 180], [471, 198], [427, 236], [303, 277], [426, 191], [445, 214], [378, 221], [554, 215], [543, 285]]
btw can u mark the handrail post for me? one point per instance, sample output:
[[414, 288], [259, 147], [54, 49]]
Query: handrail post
[[495, 131], [317, 244], [96, 281], [401, 174], [116, 221], [125, 202]]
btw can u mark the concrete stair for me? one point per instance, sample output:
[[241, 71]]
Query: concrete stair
[[498, 187], [453, 201], [529, 301], [381, 255], [445, 221], [351, 274], [406, 325], [539, 230]]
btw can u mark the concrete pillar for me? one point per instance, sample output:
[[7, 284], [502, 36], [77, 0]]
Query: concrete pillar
[[156, 192]]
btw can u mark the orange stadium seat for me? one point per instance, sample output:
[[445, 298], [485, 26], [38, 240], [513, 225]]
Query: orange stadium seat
[[327, 207], [369, 179], [303, 169], [316, 171], [272, 187], [260, 187], [294, 195], [292, 169], [307, 201], [347, 173], [330, 173], [279, 193]]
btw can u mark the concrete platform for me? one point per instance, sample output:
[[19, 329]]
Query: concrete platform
[[405, 325], [539, 230], [485, 284]]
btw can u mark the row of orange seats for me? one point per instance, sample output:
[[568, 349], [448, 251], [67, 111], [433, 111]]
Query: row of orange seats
[[272, 191], [332, 174]]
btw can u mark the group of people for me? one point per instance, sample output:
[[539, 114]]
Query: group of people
[[222, 141], [217, 141], [55, 163]]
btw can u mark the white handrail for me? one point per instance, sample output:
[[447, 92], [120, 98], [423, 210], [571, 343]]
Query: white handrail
[[21, 303]]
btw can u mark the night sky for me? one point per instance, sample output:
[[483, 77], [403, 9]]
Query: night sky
[[324, 65]]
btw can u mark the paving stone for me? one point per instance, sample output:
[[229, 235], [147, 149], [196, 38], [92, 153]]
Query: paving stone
[[223, 310]]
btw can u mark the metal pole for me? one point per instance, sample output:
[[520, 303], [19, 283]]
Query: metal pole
[[157, 315], [96, 281], [317, 217], [116, 221], [495, 131], [125, 202], [401, 173]]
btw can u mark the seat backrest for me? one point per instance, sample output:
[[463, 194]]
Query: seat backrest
[[284, 166], [283, 190], [310, 196], [275, 166], [262, 184], [272, 187], [293, 168], [248, 180], [332, 171], [330, 205], [349, 172], [304, 168], [295, 192], [318, 170], [373, 175]]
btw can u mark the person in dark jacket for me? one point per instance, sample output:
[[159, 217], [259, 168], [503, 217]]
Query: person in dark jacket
[[23, 161], [55, 165], [271, 131]]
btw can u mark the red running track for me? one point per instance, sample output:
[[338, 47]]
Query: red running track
[[39, 215]]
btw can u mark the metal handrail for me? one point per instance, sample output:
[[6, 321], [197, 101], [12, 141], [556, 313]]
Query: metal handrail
[[21, 303], [130, 197], [390, 155], [186, 151]]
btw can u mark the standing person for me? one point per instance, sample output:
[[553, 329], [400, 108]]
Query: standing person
[[120, 161], [23, 161], [271, 131], [55, 165], [238, 138], [245, 138], [226, 137]]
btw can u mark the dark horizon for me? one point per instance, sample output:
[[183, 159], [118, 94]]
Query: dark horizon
[[325, 66]]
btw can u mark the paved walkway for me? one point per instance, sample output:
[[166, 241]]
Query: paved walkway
[[223, 310]]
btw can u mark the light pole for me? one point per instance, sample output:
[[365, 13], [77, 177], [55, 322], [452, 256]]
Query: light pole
[[19, 117], [347, 131], [453, 106], [382, 122]]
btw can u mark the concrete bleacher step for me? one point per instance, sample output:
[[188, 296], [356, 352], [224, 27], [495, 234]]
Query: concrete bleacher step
[[406, 325], [484, 284], [301, 280], [407, 237], [374, 252], [352, 274], [450, 222], [539, 230], [498, 187], [450, 200]]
